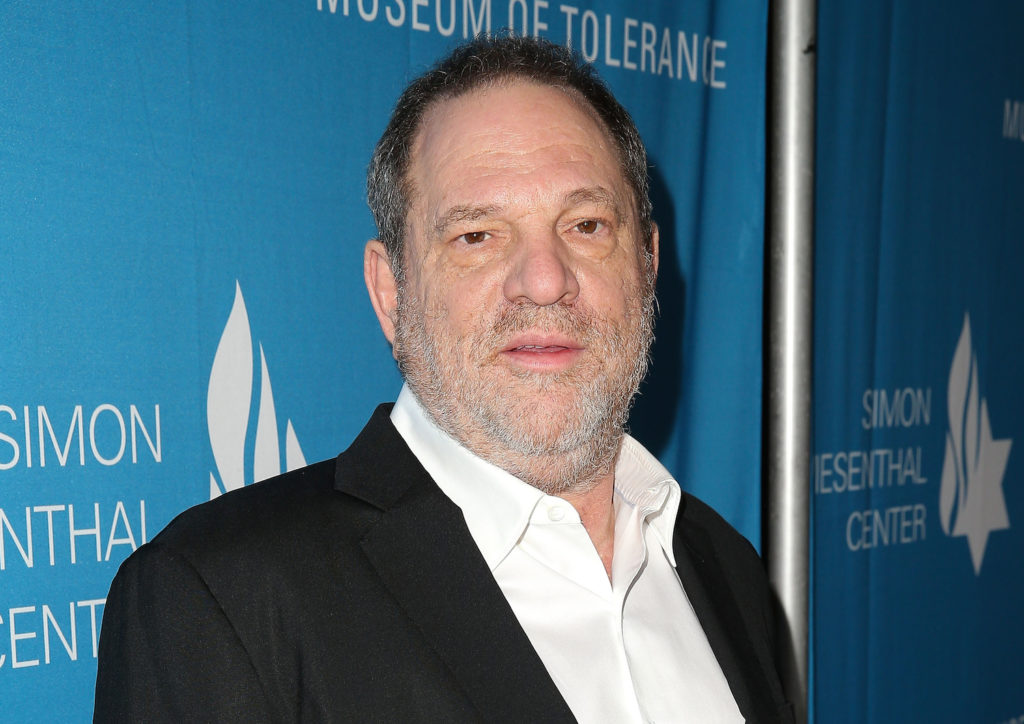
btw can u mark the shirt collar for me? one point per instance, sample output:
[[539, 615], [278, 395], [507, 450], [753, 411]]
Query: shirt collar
[[649, 488], [498, 506]]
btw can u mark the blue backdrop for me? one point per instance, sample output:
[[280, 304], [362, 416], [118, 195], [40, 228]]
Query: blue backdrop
[[919, 400], [181, 299]]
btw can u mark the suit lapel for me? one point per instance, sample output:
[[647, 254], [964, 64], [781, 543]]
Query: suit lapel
[[425, 556], [718, 611]]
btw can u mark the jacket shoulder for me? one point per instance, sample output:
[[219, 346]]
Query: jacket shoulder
[[735, 563], [283, 523], [695, 512], [735, 592]]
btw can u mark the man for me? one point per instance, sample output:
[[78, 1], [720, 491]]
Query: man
[[492, 547]]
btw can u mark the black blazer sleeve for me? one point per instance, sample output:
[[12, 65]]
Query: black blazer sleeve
[[168, 651]]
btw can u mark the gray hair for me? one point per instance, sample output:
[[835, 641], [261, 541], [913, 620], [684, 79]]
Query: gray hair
[[488, 60]]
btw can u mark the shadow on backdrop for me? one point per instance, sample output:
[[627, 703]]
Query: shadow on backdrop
[[652, 419]]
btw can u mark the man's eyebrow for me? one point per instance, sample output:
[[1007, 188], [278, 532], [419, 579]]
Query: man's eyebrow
[[594, 195], [461, 213]]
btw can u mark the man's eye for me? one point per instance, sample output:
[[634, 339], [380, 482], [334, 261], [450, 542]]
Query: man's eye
[[475, 237], [590, 226]]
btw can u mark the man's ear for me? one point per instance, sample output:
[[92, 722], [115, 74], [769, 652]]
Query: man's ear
[[380, 283]]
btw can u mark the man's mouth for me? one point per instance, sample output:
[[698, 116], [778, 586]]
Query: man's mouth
[[538, 348], [542, 353]]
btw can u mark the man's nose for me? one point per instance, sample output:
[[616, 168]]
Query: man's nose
[[541, 271]]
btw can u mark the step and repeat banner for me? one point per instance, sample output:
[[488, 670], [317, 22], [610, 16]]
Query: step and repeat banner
[[182, 309], [918, 468]]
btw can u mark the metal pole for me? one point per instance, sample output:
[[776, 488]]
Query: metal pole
[[789, 298]]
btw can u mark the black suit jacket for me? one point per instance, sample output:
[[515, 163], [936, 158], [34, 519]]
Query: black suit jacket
[[351, 590]]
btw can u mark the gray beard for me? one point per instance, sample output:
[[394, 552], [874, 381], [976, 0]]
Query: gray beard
[[502, 427]]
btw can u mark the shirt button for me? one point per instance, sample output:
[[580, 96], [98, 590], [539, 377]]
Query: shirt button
[[556, 514]]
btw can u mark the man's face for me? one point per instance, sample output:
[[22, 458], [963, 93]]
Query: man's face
[[524, 319]]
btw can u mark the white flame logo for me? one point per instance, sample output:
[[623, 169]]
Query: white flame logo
[[971, 498], [228, 401]]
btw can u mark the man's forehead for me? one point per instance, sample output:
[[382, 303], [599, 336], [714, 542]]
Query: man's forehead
[[518, 126]]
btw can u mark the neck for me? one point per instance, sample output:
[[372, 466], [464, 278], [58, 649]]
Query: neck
[[584, 478], [597, 512]]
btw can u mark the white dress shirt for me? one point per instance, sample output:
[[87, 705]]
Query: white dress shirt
[[629, 649]]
